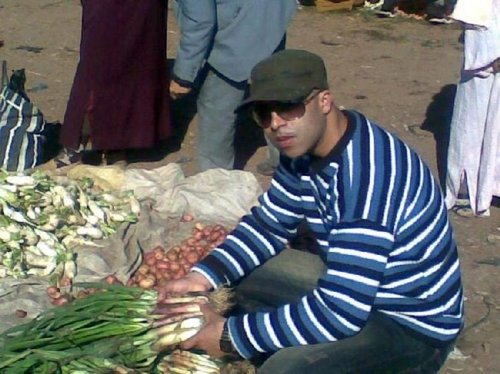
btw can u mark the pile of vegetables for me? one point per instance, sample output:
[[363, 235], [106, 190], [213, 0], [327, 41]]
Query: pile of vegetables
[[118, 329], [45, 217], [161, 265], [184, 362]]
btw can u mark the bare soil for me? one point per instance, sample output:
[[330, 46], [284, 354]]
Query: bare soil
[[400, 72]]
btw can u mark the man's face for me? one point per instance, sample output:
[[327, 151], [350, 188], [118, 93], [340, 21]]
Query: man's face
[[295, 129]]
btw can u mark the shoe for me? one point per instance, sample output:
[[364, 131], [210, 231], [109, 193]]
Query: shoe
[[440, 21], [265, 168], [373, 4], [114, 157], [466, 212], [385, 14], [67, 157]]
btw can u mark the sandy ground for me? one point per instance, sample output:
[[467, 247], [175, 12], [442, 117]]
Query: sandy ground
[[400, 72]]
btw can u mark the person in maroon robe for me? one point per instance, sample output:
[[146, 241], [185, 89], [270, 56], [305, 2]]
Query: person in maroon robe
[[120, 87]]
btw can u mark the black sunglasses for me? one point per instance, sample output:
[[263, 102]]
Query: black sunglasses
[[289, 111]]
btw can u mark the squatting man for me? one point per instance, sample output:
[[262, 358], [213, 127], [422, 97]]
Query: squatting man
[[384, 294]]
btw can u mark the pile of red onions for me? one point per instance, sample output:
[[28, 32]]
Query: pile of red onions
[[161, 265]]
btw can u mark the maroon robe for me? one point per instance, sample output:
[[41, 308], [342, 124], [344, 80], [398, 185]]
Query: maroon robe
[[121, 80]]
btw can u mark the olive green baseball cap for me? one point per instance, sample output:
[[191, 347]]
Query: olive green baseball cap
[[287, 76]]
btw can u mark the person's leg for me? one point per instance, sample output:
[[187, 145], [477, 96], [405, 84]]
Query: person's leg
[[389, 5], [217, 101], [268, 167], [283, 279], [381, 347], [387, 9]]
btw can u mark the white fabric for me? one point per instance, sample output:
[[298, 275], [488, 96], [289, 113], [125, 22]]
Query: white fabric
[[216, 195], [482, 45], [474, 149], [473, 12]]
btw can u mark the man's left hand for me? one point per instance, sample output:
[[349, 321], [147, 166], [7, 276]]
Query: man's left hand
[[207, 339], [177, 91]]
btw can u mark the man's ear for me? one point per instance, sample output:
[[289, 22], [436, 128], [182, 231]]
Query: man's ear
[[326, 101]]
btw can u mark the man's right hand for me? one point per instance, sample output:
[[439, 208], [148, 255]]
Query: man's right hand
[[192, 282]]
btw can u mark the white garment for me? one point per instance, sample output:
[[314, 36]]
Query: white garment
[[474, 12], [474, 149]]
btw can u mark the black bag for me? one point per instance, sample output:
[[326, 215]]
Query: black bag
[[26, 139]]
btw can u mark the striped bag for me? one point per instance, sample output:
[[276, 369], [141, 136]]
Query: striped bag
[[24, 134]]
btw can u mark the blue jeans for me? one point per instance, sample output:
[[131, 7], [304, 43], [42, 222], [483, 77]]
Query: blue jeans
[[273, 153], [383, 346], [217, 101]]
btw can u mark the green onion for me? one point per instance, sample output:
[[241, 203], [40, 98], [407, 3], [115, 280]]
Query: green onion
[[115, 327]]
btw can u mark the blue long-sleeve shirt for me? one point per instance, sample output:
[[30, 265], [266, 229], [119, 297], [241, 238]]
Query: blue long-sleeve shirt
[[232, 36], [384, 235]]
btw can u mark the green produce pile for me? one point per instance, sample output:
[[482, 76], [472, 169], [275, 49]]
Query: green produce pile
[[44, 218], [114, 330]]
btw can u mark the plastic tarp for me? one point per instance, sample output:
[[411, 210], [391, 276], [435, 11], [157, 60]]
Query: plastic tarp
[[215, 196]]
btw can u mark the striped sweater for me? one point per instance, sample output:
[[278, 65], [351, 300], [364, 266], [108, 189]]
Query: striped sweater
[[384, 235]]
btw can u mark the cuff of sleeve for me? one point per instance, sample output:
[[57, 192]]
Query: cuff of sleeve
[[212, 269], [182, 82], [182, 73], [239, 339]]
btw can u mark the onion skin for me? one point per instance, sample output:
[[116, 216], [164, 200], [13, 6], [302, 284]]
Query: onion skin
[[172, 255], [111, 279], [192, 257], [53, 290], [159, 255], [151, 261], [174, 267], [161, 265], [147, 283], [65, 282], [21, 313], [59, 301], [187, 218], [214, 236], [143, 269]]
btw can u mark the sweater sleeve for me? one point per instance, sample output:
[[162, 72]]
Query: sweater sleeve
[[197, 22], [336, 309], [260, 235]]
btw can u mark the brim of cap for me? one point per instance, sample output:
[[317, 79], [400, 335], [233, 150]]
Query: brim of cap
[[286, 96]]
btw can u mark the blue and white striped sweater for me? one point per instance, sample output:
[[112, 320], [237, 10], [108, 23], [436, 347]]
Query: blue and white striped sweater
[[382, 227]]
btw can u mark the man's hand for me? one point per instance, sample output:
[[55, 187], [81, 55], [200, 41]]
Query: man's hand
[[496, 66], [192, 282], [177, 91], [207, 339]]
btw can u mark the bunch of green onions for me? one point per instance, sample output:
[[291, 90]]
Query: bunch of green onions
[[109, 331], [185, 362]]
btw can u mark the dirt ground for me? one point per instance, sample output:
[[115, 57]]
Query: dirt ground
[[400, 72]]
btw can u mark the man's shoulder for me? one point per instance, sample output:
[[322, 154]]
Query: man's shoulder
[[367, 126]]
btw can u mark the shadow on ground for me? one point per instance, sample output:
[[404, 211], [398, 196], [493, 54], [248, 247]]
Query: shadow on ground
[[437, 121]]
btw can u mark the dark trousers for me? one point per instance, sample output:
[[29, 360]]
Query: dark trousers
[[383, 346]]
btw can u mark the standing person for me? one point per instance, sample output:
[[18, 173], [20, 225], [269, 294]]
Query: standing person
[[227, 38], [384, 295], [474, 149], [120, 95]]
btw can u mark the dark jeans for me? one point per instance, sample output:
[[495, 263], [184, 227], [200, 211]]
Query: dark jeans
[[383, 346]]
